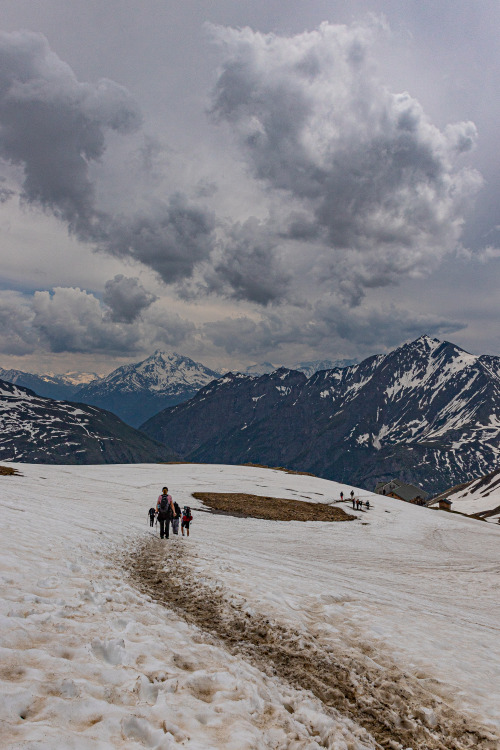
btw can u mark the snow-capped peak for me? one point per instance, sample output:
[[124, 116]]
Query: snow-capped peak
[[75, 378], [426, 343]]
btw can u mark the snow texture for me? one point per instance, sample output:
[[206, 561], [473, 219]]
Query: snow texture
[[404, 600], [479, 497]]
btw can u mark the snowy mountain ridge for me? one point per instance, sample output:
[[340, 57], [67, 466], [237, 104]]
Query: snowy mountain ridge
[[48, 385], [158, 373], [427, 412], [73, 378], [308, 368], [138, 390], [311, 368], [479, 497], [37, 429]]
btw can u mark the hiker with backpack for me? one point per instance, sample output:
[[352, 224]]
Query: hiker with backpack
[[165, 510], [186, 518], [176, 518]]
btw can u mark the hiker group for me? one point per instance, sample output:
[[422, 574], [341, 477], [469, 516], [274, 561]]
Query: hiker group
[[168, 512], [357, 504]]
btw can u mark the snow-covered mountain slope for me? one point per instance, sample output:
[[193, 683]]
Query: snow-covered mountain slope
[[76, 378], [137, 391], [308, 368], [261, 368], [43, 430], [427, 413], [49, 386], [388, 624], [479, 497]]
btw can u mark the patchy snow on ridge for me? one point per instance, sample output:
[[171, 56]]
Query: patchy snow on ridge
[[157, 373], [75, 378], [481, 496], [403, 600]]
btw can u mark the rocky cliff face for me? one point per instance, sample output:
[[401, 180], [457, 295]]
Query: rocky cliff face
[[428, 413], [40, 430]]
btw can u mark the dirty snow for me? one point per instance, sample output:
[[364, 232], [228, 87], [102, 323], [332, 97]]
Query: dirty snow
[[89, 661]]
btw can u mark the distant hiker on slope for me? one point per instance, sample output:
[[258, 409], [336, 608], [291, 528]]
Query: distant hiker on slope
[[186, 518], [353, 500], [151, 514], [176, 519], [341, 496], [165, 510]]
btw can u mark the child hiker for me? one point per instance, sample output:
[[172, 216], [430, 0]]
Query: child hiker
[[186, 518]]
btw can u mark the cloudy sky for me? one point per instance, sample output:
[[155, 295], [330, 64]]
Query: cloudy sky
[[243, 181]]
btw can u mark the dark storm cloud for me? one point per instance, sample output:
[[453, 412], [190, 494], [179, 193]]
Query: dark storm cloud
[[250, 267], [54, 127], [387, 324], [72, 320], [243, 335], [165, 328], [126, 298], [169, 237], [5, 192], [69, 319], [326, 327], [16, 335], [380, 185]]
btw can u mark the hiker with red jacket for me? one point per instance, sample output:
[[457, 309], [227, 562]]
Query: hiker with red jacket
[[186, 518], [165, 510]]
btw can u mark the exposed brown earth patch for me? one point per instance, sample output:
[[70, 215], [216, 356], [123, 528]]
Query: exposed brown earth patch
[[394, 707], [9, 471], [270, 508]]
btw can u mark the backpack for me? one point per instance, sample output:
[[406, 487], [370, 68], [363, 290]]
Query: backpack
[[164, 504], [177, 509], [187, 512]]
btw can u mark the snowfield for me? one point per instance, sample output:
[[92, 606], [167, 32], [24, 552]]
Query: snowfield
[[249, 634], [480, 496]]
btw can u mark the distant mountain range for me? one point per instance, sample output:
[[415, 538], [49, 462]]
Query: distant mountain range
[[51, 386], [426, 413], [42, 430], [133, 392], [137, 391], [308, 368]]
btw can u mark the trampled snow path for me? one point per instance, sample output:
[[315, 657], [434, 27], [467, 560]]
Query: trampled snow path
[[87, 660]]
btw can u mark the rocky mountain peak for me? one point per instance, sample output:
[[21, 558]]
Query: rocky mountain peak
[[427, 413]]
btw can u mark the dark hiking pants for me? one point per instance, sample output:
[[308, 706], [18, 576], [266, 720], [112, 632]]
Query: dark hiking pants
[[164, 527]]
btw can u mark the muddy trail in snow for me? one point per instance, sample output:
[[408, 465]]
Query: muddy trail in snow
[[391, 705]]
